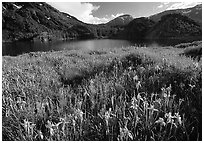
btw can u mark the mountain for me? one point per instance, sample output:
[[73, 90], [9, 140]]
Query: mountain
[[40, 21], [27, 20], [175, 26], [194, 13], [136, 30], [120, 20]]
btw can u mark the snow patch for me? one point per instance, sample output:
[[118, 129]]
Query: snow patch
[[40, 4], [17, 6], [3, 7], [185, 12], [48, 18], [122, 18], [198, 8]]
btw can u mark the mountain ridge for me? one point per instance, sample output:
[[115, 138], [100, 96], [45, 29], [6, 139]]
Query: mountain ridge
[[194, 13], [41, 21]]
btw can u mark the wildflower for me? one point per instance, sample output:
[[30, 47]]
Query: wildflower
[[130, 68], [163, 89], [145, 105], [91, 81], [157, 104], [168, 89], [161, 122], [138, 85], [134, 103], [157, 68], [151, 78], [178, 118], [169, 117], [8, 112], [135, 78], [141, 70], [125, 134], [196, 65], [92, 87], [151, 108], [164, 92], [28, 127], [21, 104], [180, 101], [139, 97], [79, 114], [182, 85], [39, 134], [50, 125], [107, 117], [192, 86]]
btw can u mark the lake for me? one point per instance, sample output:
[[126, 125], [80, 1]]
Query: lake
[[18, 48]]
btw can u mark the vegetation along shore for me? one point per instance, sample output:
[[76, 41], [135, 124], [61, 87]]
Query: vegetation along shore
[[133, 93]]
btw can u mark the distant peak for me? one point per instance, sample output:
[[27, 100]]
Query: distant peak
[[125, 15], [198, 5]]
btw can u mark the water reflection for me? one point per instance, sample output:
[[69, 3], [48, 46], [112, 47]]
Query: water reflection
[[18, 48]]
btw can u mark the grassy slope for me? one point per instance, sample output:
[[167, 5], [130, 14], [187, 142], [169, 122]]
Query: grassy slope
[[96, 95]]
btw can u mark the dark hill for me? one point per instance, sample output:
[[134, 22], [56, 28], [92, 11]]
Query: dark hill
[[136, 30], [175, 26], [25, 20]]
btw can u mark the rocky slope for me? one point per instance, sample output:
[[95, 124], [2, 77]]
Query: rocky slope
[[175, 26], [26, 20], [120, 21], [194, 13]]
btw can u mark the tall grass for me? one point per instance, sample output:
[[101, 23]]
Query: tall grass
[[125, 94]]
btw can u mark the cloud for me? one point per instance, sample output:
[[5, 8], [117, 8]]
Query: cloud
[[166, 3], [182, 5], [82, 11], [160, 6], [97, 20], [177, 5]]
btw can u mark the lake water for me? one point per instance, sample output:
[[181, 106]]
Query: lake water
[[18, 48]]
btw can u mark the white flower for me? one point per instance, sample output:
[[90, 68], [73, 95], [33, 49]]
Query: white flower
[[196, 65], [157, 68], [129, 68], [28, 127], [134, 103], [161, 122], [125, 133], [50, 125], [169, 117], [178, 118], [40, 134], [192, 86], [135, 78], [138, 85]]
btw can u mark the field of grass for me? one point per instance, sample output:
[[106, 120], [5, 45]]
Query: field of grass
[[125, 94]]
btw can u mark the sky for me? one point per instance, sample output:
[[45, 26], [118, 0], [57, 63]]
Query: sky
[[102, 12]]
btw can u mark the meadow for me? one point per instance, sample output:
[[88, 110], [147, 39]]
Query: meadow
[[132, 93]]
